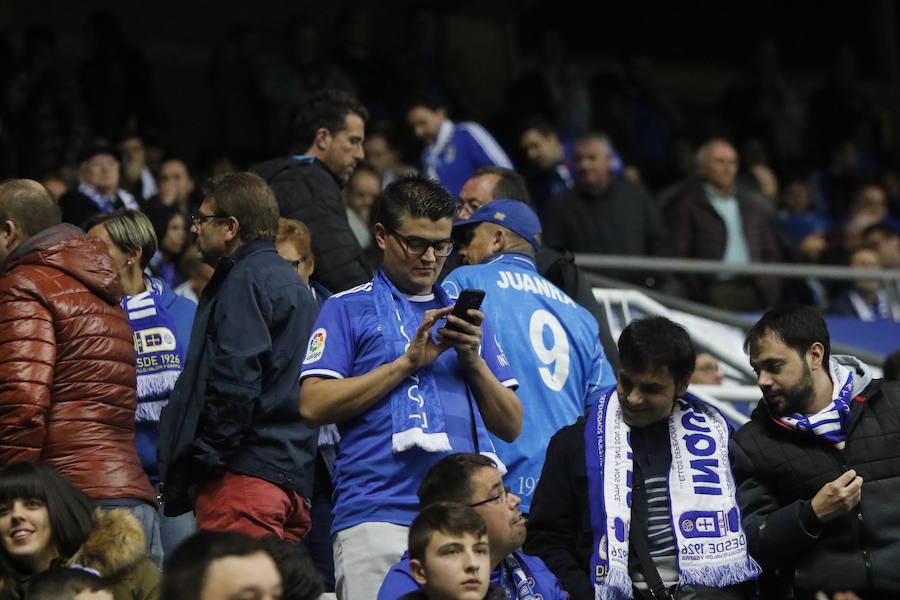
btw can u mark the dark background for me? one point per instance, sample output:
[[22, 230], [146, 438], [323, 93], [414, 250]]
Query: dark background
[[696, 49]]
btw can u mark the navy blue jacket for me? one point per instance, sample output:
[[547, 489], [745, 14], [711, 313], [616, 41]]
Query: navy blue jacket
[[236, 405]]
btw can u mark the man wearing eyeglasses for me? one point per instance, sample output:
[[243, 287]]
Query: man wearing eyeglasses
[[406, 382], [474, 480], [232, 444]]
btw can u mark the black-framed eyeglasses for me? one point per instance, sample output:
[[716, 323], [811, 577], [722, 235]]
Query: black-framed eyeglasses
[[469, 204], [296, 263], [499, 498], [416, 246], [201, 219]]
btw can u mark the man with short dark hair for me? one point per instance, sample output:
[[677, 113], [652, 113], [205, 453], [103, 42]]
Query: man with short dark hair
[[817, 466], [638, 497], [474, 480], [231, 437], [328, 144], [552, 342], [220, 565], [404, 388], [453, 151], [553, 163], [67, 358]]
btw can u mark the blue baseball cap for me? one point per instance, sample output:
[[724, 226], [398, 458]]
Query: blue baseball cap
[[512, 214]]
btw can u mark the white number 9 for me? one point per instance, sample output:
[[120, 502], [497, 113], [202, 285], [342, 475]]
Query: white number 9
[[557, 354]]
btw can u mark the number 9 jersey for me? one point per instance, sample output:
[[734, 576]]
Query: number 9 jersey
[[554, 349]]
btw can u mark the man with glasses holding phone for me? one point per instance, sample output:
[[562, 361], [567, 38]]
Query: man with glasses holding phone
[[406, 382], [232, 445], [474, 480]]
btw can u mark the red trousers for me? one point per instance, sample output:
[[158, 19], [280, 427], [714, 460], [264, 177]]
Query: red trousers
[[252, 506]]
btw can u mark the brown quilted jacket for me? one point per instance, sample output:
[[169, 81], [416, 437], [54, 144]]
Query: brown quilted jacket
[[67, 375]]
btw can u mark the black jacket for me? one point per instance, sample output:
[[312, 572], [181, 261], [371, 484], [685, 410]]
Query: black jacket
[[559, 525], [235, 406], [779, 471], [621, 218], [308, 191]]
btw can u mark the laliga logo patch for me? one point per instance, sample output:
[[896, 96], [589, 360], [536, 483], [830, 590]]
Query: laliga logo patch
[[316, 346], [450, 154]]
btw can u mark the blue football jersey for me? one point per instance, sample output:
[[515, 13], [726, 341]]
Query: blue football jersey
[[554, 348], [371, 482]]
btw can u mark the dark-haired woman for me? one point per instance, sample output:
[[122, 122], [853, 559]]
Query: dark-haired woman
[[45, 520]]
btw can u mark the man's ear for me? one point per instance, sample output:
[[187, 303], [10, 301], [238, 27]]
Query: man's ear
[[323, 139], [499, 240], [417, 568], [682, 386], [10, 235], [380, 235], [233, 229], [815, 355]]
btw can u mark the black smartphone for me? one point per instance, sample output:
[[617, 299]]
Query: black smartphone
[[468, 298]]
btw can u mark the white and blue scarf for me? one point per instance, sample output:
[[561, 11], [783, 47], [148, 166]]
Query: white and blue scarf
[[105, 204], [159, 353], [417, 416], [525, 585], [831, 422], [706, 517]]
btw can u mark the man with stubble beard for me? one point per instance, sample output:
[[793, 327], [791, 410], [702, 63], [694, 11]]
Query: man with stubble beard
[[818, 465]]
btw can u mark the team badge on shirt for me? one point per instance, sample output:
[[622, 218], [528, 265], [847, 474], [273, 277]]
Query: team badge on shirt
[[316, 346]]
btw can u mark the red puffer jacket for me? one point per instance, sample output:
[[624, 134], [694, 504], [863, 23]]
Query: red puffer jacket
[[67, 378]]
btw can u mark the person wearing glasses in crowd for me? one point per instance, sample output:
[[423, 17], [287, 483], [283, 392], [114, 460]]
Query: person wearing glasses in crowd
[[294, 244], [474, 480], [406, 382], [232, 445]]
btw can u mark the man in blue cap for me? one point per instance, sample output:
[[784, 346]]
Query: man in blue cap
[[552, 343]]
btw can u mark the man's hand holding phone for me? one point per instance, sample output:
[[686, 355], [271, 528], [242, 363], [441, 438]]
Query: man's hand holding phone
[[463, 328]]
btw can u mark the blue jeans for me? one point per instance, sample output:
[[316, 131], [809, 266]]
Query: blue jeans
[[174, 530]]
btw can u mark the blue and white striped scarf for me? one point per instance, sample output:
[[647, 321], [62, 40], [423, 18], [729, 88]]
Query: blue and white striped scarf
[[417, 415], [830, 423], [159, 354], [105, 204]]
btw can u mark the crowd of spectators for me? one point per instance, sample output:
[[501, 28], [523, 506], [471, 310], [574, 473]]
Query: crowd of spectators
[[812, 163], [226, 423]]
